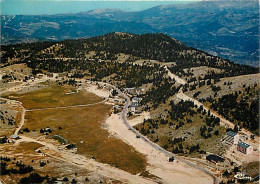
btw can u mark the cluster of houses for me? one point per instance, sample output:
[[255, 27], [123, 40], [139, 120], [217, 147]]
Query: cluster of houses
[[134, 92], [234, 138]]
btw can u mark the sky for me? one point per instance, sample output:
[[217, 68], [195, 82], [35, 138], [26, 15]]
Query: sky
[[40, 7]]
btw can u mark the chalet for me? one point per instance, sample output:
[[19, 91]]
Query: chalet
[[72, 148], [231, 138], [39, 75], [214, 158], [133, 107], [244, 148], [49, 74], [134, 91], [2, 102], [73, 70], [15, 137], [135, 100]]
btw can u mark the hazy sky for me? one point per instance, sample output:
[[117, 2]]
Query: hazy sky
[[38, 7]]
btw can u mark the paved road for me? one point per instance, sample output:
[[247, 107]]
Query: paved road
[[156, 146]]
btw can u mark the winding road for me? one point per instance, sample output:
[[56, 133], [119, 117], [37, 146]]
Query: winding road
[[123, 114], [156, 146]]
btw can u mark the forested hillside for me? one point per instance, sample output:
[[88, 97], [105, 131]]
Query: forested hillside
[[148, 46]]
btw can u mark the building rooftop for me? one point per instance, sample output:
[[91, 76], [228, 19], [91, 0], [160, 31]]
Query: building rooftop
[[134, 104], [243, 145], [71, 146], [215, 158], [14, 136], [135, 99], [231, 133]]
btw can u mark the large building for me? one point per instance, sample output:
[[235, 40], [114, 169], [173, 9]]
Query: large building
[[214, 158], [231, 138], [244, 148], [134, 105]]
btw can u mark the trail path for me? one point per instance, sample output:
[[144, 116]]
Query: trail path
[[173, 76], [185, 97]]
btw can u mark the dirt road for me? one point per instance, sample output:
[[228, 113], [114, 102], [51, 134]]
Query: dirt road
[[223, 121]]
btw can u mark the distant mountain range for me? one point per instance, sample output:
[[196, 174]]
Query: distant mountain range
[[227, 29]]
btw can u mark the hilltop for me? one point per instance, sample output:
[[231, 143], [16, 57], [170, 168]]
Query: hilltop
[[158, 47]]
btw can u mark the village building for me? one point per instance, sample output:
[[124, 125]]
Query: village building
[[134, 91], [119, 100], [39, 75], [214, 158], [14, 136], [73, 70], [231, 138], [72, 148], [49, 74], [133, 107], [244, 148], [135, 100], [64, 74], [31, 77], [2, 102]]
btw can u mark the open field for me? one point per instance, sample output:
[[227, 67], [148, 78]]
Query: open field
[[55, 96], [83, 127]]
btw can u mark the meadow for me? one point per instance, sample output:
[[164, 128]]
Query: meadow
[[82, 126], [55, 96]]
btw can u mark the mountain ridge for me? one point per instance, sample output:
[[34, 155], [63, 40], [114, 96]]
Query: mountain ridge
[[230, 33]]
